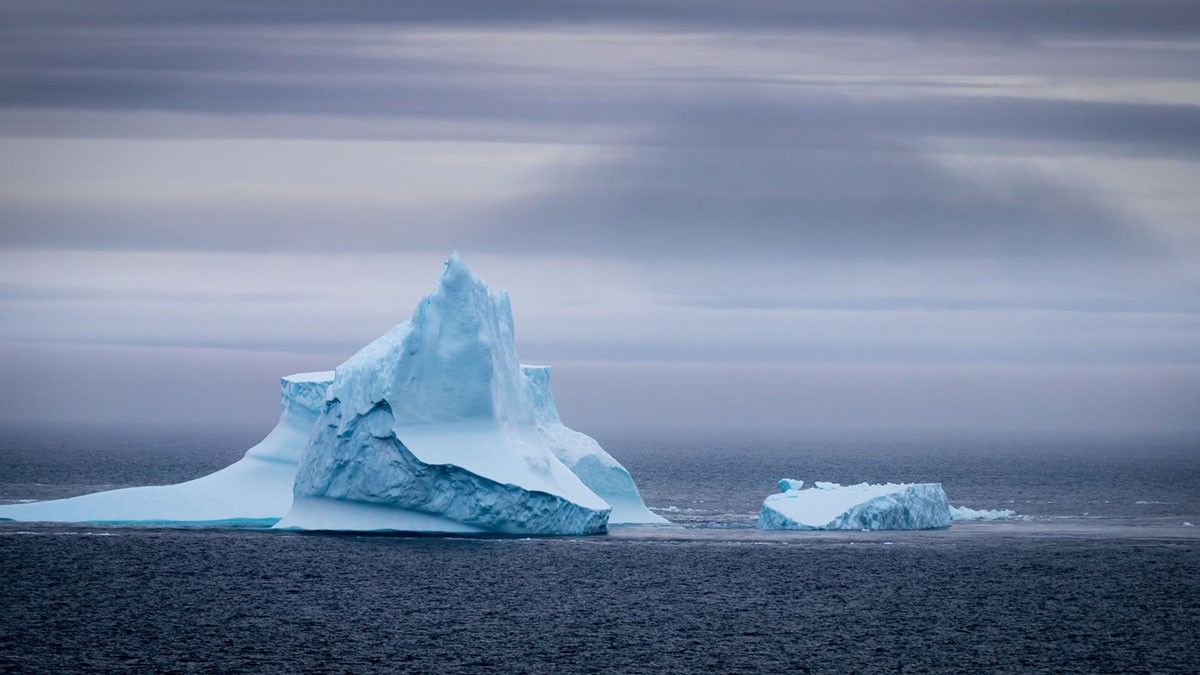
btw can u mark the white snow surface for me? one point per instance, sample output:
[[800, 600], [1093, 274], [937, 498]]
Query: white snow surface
[[436, 417], [958, 513], [256, 490], [829, 506]]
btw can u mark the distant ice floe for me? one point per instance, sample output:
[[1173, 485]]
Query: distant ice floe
[[830, 506]]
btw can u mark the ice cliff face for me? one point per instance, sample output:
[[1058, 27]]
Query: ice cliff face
[[254, 491], [829, 506], [433, 427], [584, 456]]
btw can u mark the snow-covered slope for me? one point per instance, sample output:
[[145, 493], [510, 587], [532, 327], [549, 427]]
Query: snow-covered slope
[[432, 428], [255, 490], [829, 506], [584, 456]]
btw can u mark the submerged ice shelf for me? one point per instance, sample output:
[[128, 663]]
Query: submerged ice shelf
[[255, 490], [829, 506]]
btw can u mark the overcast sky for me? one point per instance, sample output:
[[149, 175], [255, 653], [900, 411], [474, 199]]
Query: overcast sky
[[870, 215]]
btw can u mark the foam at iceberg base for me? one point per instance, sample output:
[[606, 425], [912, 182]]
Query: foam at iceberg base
[[829, 506], [433, 428], [256, 490]]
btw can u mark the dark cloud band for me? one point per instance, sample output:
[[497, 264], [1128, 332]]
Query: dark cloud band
[[1009, 18]]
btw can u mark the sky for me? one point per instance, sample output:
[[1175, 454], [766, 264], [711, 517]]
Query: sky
[[710, 215]]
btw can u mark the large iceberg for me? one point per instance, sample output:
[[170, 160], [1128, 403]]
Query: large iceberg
[[434, 427], [585, 458], [254, 491], [829, 506]]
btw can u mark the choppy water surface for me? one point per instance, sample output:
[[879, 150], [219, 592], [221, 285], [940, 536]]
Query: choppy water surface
[[1103, 577], [722, 480]]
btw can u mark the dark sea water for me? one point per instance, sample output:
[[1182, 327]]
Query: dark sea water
[[1100, 576]]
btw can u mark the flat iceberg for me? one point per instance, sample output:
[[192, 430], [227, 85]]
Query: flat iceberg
[[256, 490], [959, 513], [585, 458], [433, 427], [829, 506]]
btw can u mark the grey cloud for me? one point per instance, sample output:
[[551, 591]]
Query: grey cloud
[[335, 350], [810, 177], [18, 292], [747, 180], [250, 73], [865, 350], [235, 225], [1012, 18], [253, 63], [1087, 305]]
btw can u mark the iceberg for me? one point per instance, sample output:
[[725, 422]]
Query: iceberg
[[434, 427], [829, 506], [254, 491], [583, 455]]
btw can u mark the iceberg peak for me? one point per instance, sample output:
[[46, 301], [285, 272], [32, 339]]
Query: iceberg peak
[[455, 360]]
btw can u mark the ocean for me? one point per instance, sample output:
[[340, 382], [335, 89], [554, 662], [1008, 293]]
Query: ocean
[[1100, 573]]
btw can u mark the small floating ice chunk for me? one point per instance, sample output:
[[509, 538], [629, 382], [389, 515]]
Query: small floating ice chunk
[[1187, 524], [960, 513]]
